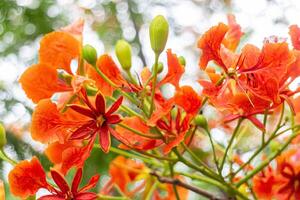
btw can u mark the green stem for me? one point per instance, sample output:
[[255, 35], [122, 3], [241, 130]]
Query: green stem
[[152, 189], [6, 158], [194, 155], [267, 161], [230, 142], [114, 85], [261, 148], [214, 151], [104, 197], [172, 176], [131, 78], [131, 155], [201, 168], [154, 83], [203, 179]]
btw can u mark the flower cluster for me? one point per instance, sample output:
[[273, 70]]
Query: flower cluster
[[99, 102]]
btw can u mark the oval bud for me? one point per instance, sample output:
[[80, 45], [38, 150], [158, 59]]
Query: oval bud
[[123, 52], [89, 54], [160, 67], [159, 30], [3, 140], [201, 121], [181, 60]]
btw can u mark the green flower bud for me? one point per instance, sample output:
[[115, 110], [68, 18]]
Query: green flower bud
[[123, 52], [201, 121], [181, 60], [159, 30], [3, 140], [89, 54], [160, 67]]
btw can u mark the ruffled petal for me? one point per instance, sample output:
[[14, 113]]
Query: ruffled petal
[[27, 178]]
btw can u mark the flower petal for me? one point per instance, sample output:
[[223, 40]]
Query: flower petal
[[91, 184], [104, 138], [41, 82], [60, 182], [115, 106], [113, 119], [188, 99], [58, 49], [100, 103], [76, 180], [46, 122], [86, 196], [175, 70], [26, 178], [210, 44], [82, 110]]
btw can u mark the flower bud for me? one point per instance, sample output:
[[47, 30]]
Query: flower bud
[[160, 67], [181, 60], [201, 121], [123, 52], [89, 54], [159, 30], [3, 140]]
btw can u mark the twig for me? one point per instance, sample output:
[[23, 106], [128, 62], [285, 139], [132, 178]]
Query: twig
[[179, 183]]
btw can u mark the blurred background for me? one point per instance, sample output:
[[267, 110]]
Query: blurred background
[[23, 22]]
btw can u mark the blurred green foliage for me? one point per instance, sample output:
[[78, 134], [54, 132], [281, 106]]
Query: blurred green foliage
[[20, 25]]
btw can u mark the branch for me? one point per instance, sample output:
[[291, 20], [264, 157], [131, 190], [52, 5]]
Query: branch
[[179, 183]]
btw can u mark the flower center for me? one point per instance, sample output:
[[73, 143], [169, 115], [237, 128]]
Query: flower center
[[231, 71], [100, 120]]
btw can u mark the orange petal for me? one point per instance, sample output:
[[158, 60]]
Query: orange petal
[[210, 44], [46, 122], [233, 35], [106, 64], [175, 70], [295, 36], [58, 49], [133, 140], [188, 99], [54, 151], [75, 156], [40, 82], [124, 171], [249, 56], [2, 191], [27, 178]]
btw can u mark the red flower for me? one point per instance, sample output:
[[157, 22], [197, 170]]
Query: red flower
[[174, 130], [283, 182], [28, 177], [99, 120]]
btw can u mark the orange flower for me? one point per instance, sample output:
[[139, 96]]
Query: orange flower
[[233, 35], [263, 184], [188, 99], [295, 36], [106, 64], [57, 50], [28, 177], [132, 140], [254, 80], [174, 130], [124, 171], [175, 70], [281, 183], [210, 44]]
